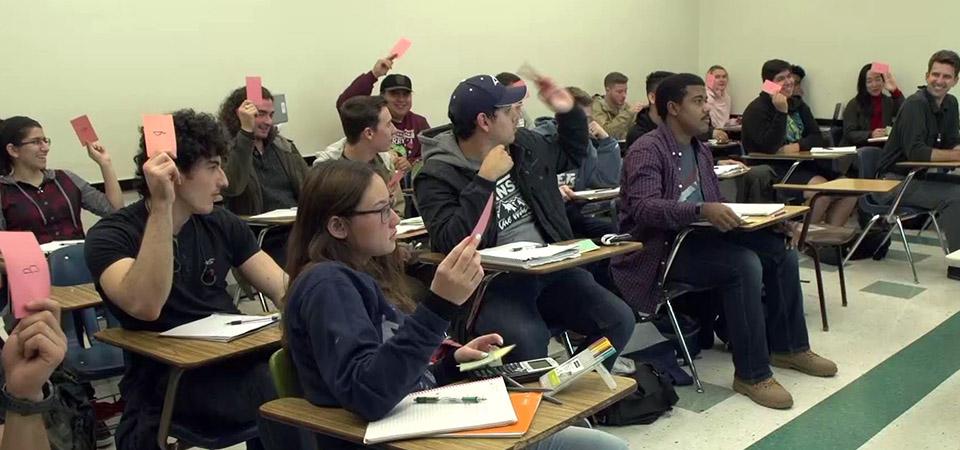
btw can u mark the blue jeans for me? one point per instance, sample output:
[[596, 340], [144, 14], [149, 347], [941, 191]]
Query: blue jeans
[[576, 438], [527, 309], [739, 267]]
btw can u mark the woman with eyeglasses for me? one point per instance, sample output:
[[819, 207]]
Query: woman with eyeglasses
[[44, 201], [356, 339], [870, 113]]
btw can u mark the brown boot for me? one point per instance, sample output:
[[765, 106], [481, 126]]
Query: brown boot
[[767, 393], [807, 362]]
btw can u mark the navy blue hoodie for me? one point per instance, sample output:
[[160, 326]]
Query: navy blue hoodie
[[353, 350]]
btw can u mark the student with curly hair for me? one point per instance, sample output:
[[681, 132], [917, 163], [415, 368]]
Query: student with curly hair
[[265, 169], [162, 262]]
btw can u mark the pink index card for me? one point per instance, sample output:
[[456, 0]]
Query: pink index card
[[27, 270], [84, 130], [880, 68], [255, 90], [401, 47], [771, 87], [711, 80], [159, 134], [484, 217], [397, 176]]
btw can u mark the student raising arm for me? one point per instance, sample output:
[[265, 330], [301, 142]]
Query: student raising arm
[[345, 317]]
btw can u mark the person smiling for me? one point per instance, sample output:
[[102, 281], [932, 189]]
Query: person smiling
[[870, 113], [44, 201]]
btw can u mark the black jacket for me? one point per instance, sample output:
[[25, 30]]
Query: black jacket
[[765, 128], [451, 196], [856, 121], [921, 126]]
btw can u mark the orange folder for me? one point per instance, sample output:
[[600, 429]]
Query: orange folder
[[525, 404]]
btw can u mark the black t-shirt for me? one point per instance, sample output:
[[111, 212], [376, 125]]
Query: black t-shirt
[[205, 249]]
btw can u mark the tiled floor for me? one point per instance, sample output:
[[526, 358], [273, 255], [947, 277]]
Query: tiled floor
[[887, 394]]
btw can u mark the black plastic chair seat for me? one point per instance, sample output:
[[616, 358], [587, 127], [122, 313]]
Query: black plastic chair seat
[[214, 435], [95, 363]]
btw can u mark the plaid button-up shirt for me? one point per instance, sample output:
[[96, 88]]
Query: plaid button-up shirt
[[651, 210]]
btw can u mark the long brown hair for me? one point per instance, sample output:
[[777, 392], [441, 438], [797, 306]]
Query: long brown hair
[[335, 188]]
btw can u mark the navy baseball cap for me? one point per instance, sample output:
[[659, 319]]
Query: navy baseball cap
[[481, 93], [396, 81]]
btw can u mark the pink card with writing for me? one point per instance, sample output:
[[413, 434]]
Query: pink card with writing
[[159, 134], [255, 90], [711, 80], [771, 87], [401, 47], [880, 67], [27, 270], [484, 217], [84, 130], [397, 176]]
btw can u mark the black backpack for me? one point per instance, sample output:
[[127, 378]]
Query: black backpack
[[70, 423], [654, 396]]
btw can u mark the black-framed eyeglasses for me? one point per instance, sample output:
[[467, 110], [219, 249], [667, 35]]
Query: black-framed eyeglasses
[[38, 141], [385, 212]]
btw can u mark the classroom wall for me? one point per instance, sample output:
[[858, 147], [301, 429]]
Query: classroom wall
[[832, 40], [116, 59]]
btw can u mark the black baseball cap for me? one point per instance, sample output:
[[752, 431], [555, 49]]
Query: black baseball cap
[[481, 93], [396, 81]]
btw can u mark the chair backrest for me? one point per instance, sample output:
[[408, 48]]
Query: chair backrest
[[868, 161], [284, 374], [68, 266], [836, 111]]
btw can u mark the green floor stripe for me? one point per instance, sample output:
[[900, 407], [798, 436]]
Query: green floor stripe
[[854, 414]]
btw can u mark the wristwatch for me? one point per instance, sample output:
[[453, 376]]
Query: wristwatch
[[699, 210], [27, 407]]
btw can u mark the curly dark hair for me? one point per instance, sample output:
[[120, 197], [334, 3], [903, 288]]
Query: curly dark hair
[[228, 112], [199, 137]]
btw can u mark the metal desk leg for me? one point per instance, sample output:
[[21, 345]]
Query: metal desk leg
[[793, 167], [166, 415]]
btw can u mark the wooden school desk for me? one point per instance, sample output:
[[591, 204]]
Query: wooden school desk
[[583, 398], [76, 297], [797, 158], [604, 252], [185, 354], [835, 236]]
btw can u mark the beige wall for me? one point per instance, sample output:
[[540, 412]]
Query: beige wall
[[830, 39], [116, 59]]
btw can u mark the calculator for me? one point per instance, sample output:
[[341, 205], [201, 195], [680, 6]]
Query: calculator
[[521, 371]]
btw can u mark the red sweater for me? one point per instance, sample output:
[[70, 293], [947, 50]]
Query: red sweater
[[876, 108]]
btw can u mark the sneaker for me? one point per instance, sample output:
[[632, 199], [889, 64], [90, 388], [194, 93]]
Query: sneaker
[[102, 432], [807, 362], [767, 393]]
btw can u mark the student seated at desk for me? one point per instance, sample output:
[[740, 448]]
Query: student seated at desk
[[33, 350], [265, 170], [926, 130], [870, 113], [668, 185], [357, 340], [611, 110], [486, 154], [783, 123], [718, 97], [368, 129], [44, 201], [162, 262]]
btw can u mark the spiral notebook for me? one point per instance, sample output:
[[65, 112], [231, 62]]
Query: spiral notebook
[[410, 420]]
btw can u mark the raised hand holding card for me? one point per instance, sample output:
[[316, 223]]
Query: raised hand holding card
[[27, 270], [711, 80], [84, 130], [401, 47], [255, 90], [881, 68], [159, 134], [771, 88]]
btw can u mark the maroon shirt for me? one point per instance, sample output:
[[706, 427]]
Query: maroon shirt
[[407, 129], [651, 210], [876, 109], [50, 211]]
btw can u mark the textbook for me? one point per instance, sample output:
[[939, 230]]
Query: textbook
[[834, 150], [528, 254], [756, 209], [727, 169], [277, 214], [411, 224], [221, 327], [410, 419], [525, 405]]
